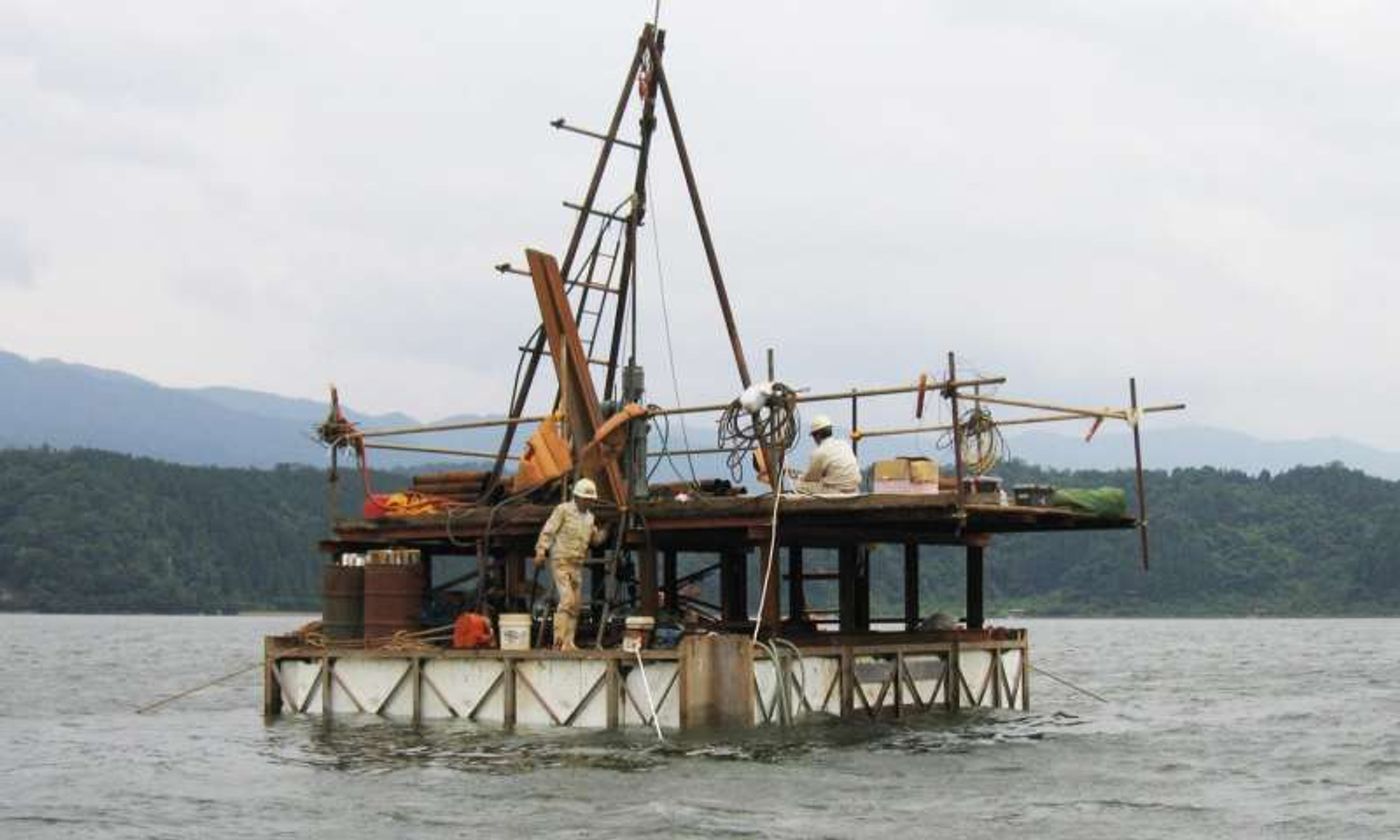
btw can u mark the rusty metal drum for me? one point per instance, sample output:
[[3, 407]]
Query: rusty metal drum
[[393, 598], [343, 601]]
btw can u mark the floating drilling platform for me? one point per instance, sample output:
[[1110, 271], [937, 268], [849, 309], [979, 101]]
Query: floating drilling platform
[[698, 604]]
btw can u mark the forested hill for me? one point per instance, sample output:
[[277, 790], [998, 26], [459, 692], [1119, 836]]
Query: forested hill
[[1312, 540], [94, 531]]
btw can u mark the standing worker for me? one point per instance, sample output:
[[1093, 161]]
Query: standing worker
[[833, 469], [565, 538]]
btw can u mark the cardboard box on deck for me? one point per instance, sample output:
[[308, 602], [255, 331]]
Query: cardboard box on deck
[[905, 475]]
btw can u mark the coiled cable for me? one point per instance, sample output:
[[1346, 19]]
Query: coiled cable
[[773, 427]]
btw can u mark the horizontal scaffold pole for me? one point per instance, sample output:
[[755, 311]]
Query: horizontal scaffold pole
[[1018, 421], [666, 453], [452, 427], [1092, 413], [464, 453], [843, 395]]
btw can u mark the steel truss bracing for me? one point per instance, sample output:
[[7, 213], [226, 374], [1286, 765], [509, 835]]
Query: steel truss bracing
[[606, 691]]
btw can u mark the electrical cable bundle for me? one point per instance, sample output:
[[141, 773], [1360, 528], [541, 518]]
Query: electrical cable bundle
[[765, 417], [983, 446]]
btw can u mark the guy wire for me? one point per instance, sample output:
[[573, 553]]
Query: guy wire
[[666, 325]]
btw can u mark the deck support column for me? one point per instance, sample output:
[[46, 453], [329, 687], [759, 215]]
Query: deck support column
[[734, 585], [846, 586], [772, 615], [613, 702], [847, 678], [508, 694], [911, 586], [669, 577], [952, 691], [1025, 673], [975, 565], [646, 581], [483, 574], [272, 689], [516, 580], [863, 588], [854, 586], [597, 589], [416, 674], [797, 590]]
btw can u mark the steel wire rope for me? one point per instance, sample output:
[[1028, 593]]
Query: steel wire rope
[[1065, 682], [665, 434], [150, 707], [666, 455], [670, 349]]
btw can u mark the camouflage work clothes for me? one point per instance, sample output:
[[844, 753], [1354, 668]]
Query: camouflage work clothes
[[566, 538]]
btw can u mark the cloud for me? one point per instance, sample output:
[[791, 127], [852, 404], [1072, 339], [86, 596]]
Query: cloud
[[1202, 196], [16, 260]]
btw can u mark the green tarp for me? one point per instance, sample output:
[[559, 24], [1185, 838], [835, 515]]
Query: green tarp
[[1101, 501]]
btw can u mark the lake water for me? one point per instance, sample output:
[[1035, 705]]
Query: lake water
[[1214, 728]]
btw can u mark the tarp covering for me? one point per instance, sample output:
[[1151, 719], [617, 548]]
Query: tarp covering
[[1100, 501]]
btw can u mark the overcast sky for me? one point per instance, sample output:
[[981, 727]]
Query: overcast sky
[[276, 195]]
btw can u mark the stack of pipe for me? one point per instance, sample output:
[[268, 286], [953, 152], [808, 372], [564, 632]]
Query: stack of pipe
[[458, 485]]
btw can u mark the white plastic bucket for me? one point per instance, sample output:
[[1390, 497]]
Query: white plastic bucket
[[515, 631], [638, 632]]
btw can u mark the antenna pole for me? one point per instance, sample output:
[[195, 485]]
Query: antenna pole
[[1135, 420]]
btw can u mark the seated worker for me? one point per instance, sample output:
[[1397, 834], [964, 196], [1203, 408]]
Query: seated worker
[[833, 468], [566, 538]]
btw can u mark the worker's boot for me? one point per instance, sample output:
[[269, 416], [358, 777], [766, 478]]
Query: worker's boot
[[564, 625]]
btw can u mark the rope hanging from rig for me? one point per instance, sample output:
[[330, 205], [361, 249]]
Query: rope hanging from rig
[[763, 417]]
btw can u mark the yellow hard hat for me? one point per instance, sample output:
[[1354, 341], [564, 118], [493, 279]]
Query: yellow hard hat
[[584, 488], [820, 422]]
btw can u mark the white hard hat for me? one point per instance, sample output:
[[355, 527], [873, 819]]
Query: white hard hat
[[819, 423], [584, 488]]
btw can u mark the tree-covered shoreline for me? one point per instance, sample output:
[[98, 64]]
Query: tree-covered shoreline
[[91, 531], [87, 531]]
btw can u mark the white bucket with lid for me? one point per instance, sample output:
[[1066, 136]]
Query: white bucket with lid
[[515, 631], [638, 632]]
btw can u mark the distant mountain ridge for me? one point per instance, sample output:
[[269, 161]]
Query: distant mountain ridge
[[278, 407], [1196, 446], [65, 405]]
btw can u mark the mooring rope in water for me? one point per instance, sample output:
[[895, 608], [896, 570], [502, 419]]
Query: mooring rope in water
[[1066, 682], [655, 720], [186, 693]]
